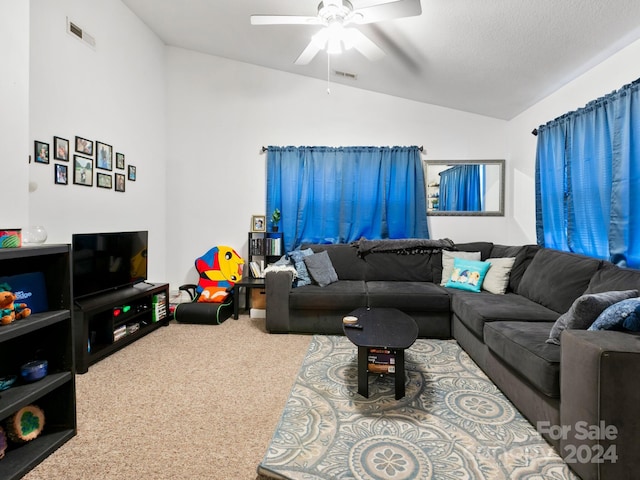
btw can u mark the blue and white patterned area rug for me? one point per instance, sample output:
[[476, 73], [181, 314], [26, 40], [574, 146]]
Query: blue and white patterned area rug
[[453, 422]]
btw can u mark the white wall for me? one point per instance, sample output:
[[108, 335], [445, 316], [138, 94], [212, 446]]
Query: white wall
[[14, 111], [221, 112], [613, 73], [115, 94], [194, 124]]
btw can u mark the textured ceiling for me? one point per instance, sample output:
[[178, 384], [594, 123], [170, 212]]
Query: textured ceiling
[[491, 57]]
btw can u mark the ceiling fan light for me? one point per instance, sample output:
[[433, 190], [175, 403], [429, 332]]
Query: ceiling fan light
[[348, 40], [320, 39], [334, 46]]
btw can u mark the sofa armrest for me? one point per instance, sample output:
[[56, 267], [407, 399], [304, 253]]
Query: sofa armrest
[[599, 397], [278, 287]]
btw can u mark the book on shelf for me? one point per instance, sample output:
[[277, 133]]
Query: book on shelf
[[257, 269]]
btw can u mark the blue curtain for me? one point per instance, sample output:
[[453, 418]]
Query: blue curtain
[[339, 194], [461, 188], [588, 179]]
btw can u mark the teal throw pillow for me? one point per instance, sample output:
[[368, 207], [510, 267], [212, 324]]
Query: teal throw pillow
[[614, 316], [467, 274], [297, 256]]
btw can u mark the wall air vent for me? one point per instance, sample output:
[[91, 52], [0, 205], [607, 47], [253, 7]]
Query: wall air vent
[[350, 76], [75, 30]]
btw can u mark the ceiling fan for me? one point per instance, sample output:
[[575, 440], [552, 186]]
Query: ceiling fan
[[339, 17]]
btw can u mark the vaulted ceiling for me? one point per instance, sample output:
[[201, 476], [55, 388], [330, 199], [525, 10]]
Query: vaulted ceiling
[[491, 57]]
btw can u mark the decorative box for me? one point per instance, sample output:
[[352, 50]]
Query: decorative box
[[11, 238]]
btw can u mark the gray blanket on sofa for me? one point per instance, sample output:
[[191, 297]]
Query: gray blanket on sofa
[[402, 246]]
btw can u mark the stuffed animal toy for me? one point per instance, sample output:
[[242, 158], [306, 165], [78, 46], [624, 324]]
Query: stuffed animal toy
[[9, 310]]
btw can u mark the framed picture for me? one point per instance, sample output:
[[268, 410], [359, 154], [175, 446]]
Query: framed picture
[[104, 156], [41, 152], [82, 171], [119, 182], [120, 161], [60, 174], [61, 148], [258, 223], [132, 173], [105, 180], [84, 146]]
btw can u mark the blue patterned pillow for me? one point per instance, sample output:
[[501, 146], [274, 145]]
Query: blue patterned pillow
[[467, 274], [297, 256], [632, 322], [615, 315]]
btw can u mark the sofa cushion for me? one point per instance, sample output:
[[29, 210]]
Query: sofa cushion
[[611, 277], [522, 346], [408, 296], [555, 279], [321, 269], [391, 266], [467, 274], [344, 258], [483, 247], [613, 317], [448, 259], [344, 295], [476, 309], [523, 259], [497, 278], [585, 310], [501, 251]]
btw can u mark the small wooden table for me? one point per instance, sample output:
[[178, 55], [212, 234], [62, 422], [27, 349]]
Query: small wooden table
[[383, 328], [248, 283]]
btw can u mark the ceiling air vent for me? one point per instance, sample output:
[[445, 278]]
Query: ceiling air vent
[[77, 31], [350, 76]]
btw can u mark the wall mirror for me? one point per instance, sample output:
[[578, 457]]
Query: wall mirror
[[465, 187]]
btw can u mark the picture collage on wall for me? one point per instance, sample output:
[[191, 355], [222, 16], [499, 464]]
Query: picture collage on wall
[[82, 168]]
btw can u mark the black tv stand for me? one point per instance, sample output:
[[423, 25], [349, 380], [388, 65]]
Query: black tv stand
[[109, 321]]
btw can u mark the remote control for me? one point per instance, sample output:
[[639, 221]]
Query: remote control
[[353, 325]]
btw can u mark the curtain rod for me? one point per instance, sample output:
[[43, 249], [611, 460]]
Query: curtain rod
[[264, 149]]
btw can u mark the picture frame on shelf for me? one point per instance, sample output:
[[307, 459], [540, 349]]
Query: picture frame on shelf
[[258, 223], [104, 156], [120, 181], [132, 173], [120, 161], [41, 152], [82, 171], [104, 180], [84, 146], [60, 174], [61, 149]]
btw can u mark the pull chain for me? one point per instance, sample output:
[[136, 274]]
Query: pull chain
[[328, 73]]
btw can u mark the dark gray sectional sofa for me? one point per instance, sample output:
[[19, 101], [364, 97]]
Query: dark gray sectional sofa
[[590, 380]]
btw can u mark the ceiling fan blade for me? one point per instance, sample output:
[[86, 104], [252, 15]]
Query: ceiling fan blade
[[364, 45], [283, 20], [386, 11], [308, 54]]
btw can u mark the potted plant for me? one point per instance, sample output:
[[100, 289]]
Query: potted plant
[[275, 219]]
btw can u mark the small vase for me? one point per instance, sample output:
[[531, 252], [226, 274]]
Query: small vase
[[34, 235], [274, 228]]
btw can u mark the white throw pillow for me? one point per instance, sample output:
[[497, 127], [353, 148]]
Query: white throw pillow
[[497, 278], [447, 262]]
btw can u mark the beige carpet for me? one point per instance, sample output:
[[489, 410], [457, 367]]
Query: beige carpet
[[184, 402]]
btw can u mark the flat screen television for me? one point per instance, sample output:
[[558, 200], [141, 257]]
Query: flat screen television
[[108, 261]]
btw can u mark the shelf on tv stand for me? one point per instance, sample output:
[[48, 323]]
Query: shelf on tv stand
[[95, 322]]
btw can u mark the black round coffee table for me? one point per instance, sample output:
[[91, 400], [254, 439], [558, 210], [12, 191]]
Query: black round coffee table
[[382, 329]]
